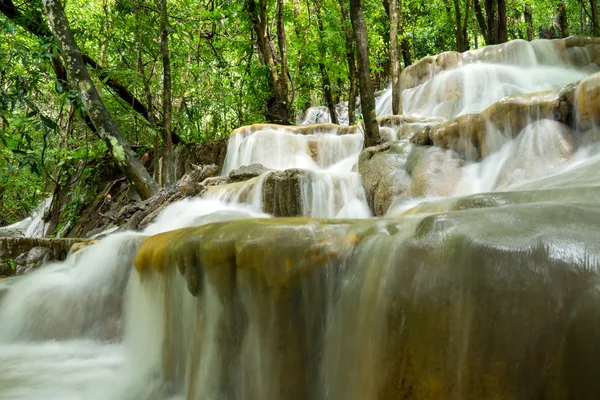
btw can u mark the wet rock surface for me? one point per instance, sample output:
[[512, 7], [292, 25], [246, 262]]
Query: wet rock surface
[[384, 177], [473, 301], [247, 172], [282, 192], [34, 258], [513, 52]]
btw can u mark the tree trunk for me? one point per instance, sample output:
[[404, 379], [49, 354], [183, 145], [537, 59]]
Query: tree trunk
[[481, 20], [491, 13], [126, 159], [461, 44], [465, 25], [147, 91], [327, 92], [367, 96], [594, 7], [34, 23], [405, 47], [281, 42], [495, 13], [277, 107], [560, 20], [395, 59], [502, 22], [166, 96], [324, 75], [351, 62], [529, 22]]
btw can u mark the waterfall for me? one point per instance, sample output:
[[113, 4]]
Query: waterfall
[[480, 280]]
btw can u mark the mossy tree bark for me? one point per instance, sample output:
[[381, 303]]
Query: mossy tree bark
[[33, 22], [395, 58], [166, 98], [133, 169], [367, 95]]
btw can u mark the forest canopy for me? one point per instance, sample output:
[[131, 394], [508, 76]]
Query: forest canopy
[[174, 71]]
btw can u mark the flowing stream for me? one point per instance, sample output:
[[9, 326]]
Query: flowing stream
[[481, 282]]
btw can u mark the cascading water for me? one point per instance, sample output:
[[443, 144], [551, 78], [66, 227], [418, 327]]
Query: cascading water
[[32, 226], [481, 282], [320, 162]]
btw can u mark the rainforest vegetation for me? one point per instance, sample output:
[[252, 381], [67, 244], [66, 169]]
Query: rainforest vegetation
[[81, 80]]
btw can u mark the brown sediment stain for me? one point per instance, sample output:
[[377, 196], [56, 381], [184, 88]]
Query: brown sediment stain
[[279, 251]]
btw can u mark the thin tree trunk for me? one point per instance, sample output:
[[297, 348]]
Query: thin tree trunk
[[560, 20], [277, 107], [351, 62], [327, 92], [166, 95], [324, 75], [126, 159], [104, 29], [147, 92], [594, 7], [475, 33], [481, 20], [491, 13], [529, 21], [281, 42], [395, 59], [167, 104], [502, 22], [458, 29], [367, 96], [34, 23], [405, 47], [466, 25]]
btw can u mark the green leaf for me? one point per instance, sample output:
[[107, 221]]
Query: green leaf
[[48, 122]]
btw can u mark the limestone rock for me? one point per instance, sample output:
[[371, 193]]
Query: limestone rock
[[471, 135], [422, 137], [588, 102], [434, 172], [576, 50], [383, 172], [470, 303], [428, 67], [34, 258], [282, 192], [247, 172], [13, 247], [298, 129], [406, 127], [542, 149]]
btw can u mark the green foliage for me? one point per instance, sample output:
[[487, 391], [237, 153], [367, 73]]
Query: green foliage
[[10, 263], [219, 82]]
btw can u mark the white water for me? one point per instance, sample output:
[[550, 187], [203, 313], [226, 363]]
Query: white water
[[32, 226], [328, 188], [61, 327], [474, 87]]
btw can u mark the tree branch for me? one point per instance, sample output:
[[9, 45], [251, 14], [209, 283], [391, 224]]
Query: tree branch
[[37, 26]]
